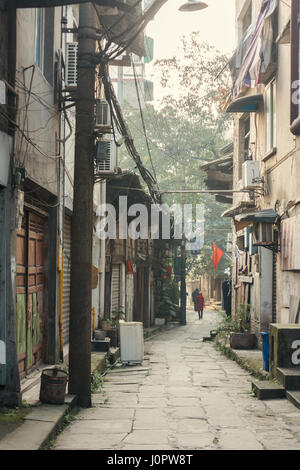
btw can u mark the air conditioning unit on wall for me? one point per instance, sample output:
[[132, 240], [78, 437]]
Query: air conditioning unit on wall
[[71, 64], [102, 117], [251, 174], [106, 156]]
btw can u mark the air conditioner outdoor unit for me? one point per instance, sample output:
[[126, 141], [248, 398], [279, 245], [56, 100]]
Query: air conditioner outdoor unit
[[102, 118], [71, 64], [131, 342], [106, 156], [251, 174]]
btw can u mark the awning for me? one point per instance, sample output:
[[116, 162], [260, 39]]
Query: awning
[[285, 36], [268, 216], [217, 162], [246, 104], [238, 209]]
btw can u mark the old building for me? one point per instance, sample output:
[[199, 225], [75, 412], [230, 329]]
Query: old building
[[38, 63], [265, 106], [135, 261]]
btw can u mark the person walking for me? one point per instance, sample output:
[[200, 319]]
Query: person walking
[[194, 297], [200, 304]]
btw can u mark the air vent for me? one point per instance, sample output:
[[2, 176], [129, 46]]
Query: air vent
[[71, 64], [106, 156], [103, 118]]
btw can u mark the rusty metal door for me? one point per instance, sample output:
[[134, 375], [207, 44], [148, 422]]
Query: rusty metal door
[[30, 291]]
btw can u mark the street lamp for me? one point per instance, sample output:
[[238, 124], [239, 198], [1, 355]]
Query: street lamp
[[193, 5]]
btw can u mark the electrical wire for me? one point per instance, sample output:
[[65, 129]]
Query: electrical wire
[[142, 119], [17, 127], [122, 128]]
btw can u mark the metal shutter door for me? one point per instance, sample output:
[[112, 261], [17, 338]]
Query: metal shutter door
[[67, 279], [115, 288]]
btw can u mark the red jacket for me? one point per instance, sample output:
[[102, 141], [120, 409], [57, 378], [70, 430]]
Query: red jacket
[[200, 302]]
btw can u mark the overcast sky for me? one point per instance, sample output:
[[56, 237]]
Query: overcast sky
[[215, 24]]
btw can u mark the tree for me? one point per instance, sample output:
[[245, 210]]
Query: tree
[[186, 130]]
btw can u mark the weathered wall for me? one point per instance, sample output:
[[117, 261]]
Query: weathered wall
[[41, 116]]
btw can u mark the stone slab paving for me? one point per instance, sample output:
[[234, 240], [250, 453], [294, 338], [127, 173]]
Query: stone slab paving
[[185, 396]]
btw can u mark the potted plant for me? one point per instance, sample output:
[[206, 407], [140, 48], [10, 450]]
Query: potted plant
[[240, 336], [168, 310], [113, 331], [106, 323], [159, 320]]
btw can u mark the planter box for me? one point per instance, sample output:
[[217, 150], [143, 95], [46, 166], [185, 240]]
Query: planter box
[[100, 345], [113, 334], [99, 334], [243, 341], [105, 325]]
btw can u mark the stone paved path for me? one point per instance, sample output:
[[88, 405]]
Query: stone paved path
[[184, 396]]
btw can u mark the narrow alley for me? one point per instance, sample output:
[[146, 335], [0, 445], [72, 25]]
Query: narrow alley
[[186, 395]]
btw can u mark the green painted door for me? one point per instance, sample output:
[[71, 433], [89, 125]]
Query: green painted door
[[30, 291]]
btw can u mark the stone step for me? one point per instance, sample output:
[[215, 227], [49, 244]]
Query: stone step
[[289, 378], [266, 390], [294, 397]]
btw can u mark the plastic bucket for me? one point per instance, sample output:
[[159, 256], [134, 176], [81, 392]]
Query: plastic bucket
[[53, 386], [265, 350]]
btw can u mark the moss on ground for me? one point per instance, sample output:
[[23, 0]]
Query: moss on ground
[[12, 418], [13, 415]]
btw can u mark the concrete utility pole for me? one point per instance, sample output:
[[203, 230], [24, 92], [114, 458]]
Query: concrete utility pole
[[82, 221]]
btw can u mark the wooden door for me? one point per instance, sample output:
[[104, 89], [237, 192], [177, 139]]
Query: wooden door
[[30, 291]]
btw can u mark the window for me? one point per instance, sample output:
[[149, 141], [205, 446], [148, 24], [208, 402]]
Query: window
[[270, 116], [244, 152], [39, 37], [295, 68], [244, 19], [247, 19], [44, 37]]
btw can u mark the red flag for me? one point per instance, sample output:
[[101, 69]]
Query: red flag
[[129, 267], [216, 256]]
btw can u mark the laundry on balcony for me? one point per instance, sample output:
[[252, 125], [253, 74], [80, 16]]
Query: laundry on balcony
[[252, 61]]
